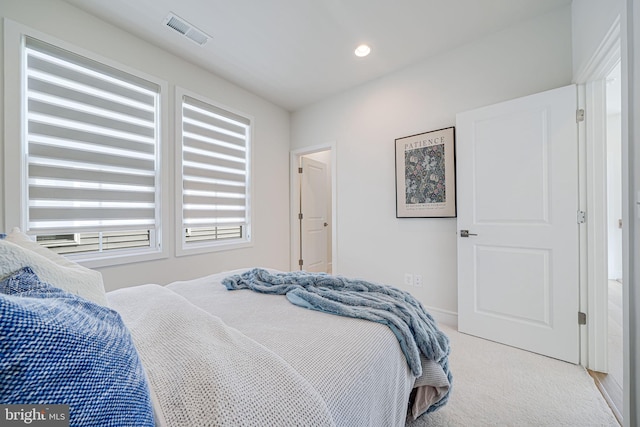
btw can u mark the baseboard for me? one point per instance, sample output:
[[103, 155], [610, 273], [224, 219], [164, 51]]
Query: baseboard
[[611, 392], [449, 318]]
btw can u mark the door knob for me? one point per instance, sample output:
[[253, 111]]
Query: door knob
[[465, 233]]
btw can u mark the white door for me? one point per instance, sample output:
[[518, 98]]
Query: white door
[[517, 166], [313, 205]]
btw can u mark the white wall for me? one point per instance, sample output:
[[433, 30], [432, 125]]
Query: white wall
[[631, 209], [270, 202], [372, 243], [591, 21]]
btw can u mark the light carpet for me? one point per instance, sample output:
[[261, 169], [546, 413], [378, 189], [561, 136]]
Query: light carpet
[[497, 385]]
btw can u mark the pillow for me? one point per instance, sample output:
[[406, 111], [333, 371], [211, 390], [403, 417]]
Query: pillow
[[19, 238], [17, 251], [59, 348]]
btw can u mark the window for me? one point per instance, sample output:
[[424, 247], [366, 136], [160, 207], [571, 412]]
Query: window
[[95, 242], [214, 173], [92, 176]]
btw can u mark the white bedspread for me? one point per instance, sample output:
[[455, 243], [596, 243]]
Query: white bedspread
[[218, 358], [205, 373], [356, 366]]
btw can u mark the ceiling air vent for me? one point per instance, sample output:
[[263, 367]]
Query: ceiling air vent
[[186, 29]]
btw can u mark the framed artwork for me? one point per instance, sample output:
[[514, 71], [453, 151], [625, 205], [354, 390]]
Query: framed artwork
[[426, 175]]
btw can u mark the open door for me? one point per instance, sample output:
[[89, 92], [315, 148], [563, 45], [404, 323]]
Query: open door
[[518, 247], [314, 198]]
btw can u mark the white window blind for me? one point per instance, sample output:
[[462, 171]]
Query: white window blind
[[214, 168], [92, 141]]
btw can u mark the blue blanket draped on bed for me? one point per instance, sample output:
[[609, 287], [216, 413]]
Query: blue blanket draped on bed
[[415, 329]]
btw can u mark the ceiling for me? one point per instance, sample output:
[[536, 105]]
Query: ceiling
[[296, 52]]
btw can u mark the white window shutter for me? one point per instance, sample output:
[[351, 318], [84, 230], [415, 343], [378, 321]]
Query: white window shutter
[[214, 170], [91, 145]]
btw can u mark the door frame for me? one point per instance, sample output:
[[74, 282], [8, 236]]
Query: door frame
[[294, 193], [591, 82]]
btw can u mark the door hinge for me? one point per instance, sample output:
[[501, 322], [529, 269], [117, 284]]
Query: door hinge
[[582, 318], [580, 115], [300, 215], [582, 217], [300, 262], [299, 170]]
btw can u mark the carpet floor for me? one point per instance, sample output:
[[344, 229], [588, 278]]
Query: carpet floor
[[497, 385]]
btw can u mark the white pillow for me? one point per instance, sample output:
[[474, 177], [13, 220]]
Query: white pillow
[[18, 251], [19, 238]]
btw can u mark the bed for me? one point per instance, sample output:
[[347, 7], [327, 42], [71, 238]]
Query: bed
[[205, 354]]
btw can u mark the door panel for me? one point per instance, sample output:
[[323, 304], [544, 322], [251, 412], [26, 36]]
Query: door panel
[[526, 187], [523, 300], [517, 165]]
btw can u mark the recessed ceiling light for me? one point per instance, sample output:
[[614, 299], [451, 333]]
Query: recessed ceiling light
[[362, 50]]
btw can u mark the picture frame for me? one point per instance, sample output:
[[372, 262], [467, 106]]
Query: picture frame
[[426, 175]]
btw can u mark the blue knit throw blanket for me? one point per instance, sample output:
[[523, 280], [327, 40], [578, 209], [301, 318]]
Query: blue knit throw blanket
[[415, 329]]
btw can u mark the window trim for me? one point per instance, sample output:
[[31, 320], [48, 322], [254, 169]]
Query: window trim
[[182, 249], [15, 162]]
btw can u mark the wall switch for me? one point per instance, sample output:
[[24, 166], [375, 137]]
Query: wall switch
[[408, 279], [417, 279]]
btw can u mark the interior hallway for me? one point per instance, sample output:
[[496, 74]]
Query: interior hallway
[[611, 384]]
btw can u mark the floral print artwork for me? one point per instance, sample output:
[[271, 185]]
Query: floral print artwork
[[424, 175], [426, 168]]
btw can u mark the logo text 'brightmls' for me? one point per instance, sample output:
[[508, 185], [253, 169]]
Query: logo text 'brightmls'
[[36, 415]]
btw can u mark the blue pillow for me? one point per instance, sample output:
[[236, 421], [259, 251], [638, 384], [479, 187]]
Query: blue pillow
[[58, 348]]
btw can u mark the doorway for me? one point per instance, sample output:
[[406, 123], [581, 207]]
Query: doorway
[[602, 165], [612, 384], [313, 210]]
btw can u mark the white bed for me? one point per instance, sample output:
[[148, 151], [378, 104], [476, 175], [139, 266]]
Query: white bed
[[356, 366], [193, 353]]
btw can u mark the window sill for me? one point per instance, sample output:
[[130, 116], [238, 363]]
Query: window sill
[[115, 259], [209, 248]]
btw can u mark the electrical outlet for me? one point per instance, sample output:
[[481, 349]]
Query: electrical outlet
[[408, 279], [417, 279]]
